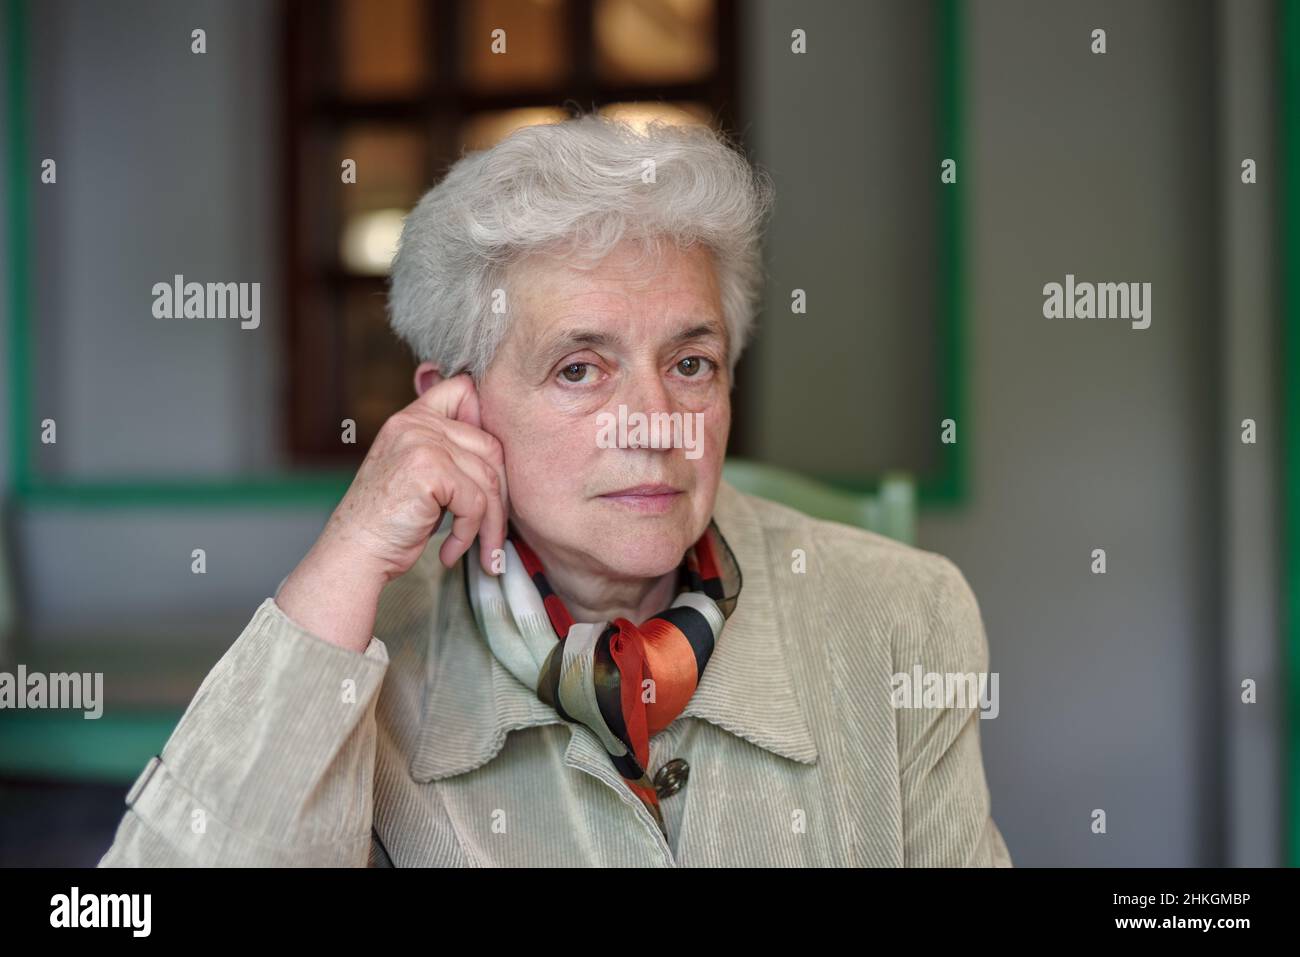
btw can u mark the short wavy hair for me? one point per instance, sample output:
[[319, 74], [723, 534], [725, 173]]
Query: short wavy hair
[[574, 188]]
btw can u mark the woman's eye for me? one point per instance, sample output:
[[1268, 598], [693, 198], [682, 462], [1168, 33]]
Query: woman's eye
[[692, 365], [575, 372]]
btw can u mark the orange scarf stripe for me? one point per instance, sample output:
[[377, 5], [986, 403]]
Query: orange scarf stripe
[[671, 664]]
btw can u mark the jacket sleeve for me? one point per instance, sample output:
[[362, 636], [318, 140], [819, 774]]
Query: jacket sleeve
[[272, 763], [947, 820]]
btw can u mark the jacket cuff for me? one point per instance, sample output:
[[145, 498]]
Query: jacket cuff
[[276, 750]]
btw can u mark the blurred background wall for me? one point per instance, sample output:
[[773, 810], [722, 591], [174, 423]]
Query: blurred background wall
[[1119, 692]]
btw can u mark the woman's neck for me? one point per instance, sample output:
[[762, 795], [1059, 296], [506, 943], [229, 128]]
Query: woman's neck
[[593, 599]]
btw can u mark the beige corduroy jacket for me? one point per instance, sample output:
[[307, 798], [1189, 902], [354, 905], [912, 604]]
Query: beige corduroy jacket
[[425, 751]]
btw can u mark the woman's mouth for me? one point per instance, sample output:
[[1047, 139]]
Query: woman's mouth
[[645, 498]]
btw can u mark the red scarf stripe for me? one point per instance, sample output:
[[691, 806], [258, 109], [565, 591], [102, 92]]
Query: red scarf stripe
[[704, 554], [627, 648], [561, 621], [531, 563]]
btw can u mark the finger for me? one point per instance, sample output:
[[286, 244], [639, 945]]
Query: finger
[[468, 502], [469, 412], [447, 397], [472, 437], [480, 443], [492, 532]]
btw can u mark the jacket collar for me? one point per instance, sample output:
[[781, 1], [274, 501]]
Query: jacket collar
[[747, 688]]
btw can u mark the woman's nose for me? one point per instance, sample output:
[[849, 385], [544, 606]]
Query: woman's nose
[[648, 394]]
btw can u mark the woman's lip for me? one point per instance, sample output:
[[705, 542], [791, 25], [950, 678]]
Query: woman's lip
[[649, 499], [643, 490]]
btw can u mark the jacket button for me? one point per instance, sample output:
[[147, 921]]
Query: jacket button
[[672, 777]]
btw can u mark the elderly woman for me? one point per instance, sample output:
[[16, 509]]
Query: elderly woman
[[610, 657]]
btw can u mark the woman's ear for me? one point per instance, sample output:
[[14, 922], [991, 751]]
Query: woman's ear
[[426, 377]]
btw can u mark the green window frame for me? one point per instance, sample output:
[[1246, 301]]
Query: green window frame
[[1289, 262]]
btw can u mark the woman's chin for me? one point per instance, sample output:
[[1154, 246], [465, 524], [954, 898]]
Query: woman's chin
[[647, 555]]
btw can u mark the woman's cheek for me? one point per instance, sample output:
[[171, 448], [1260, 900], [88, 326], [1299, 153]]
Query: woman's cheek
[[555, 456], [717, 426]]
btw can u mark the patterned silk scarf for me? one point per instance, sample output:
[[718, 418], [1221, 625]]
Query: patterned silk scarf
[[601, 675]]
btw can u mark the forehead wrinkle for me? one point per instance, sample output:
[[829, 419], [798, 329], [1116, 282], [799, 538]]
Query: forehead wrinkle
[[598, 317], [564, 339], [568, 337]]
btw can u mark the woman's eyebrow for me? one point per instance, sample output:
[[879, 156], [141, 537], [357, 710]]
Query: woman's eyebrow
[[566, 339], [701, 331]]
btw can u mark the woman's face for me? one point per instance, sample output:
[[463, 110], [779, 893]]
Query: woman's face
[[581, 344]]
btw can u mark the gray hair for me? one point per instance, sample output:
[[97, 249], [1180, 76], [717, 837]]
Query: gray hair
[[579, 184]]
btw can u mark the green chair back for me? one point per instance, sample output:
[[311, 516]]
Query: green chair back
[[891, 511]]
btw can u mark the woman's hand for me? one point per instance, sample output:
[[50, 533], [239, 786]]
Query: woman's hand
[[430, 457]]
